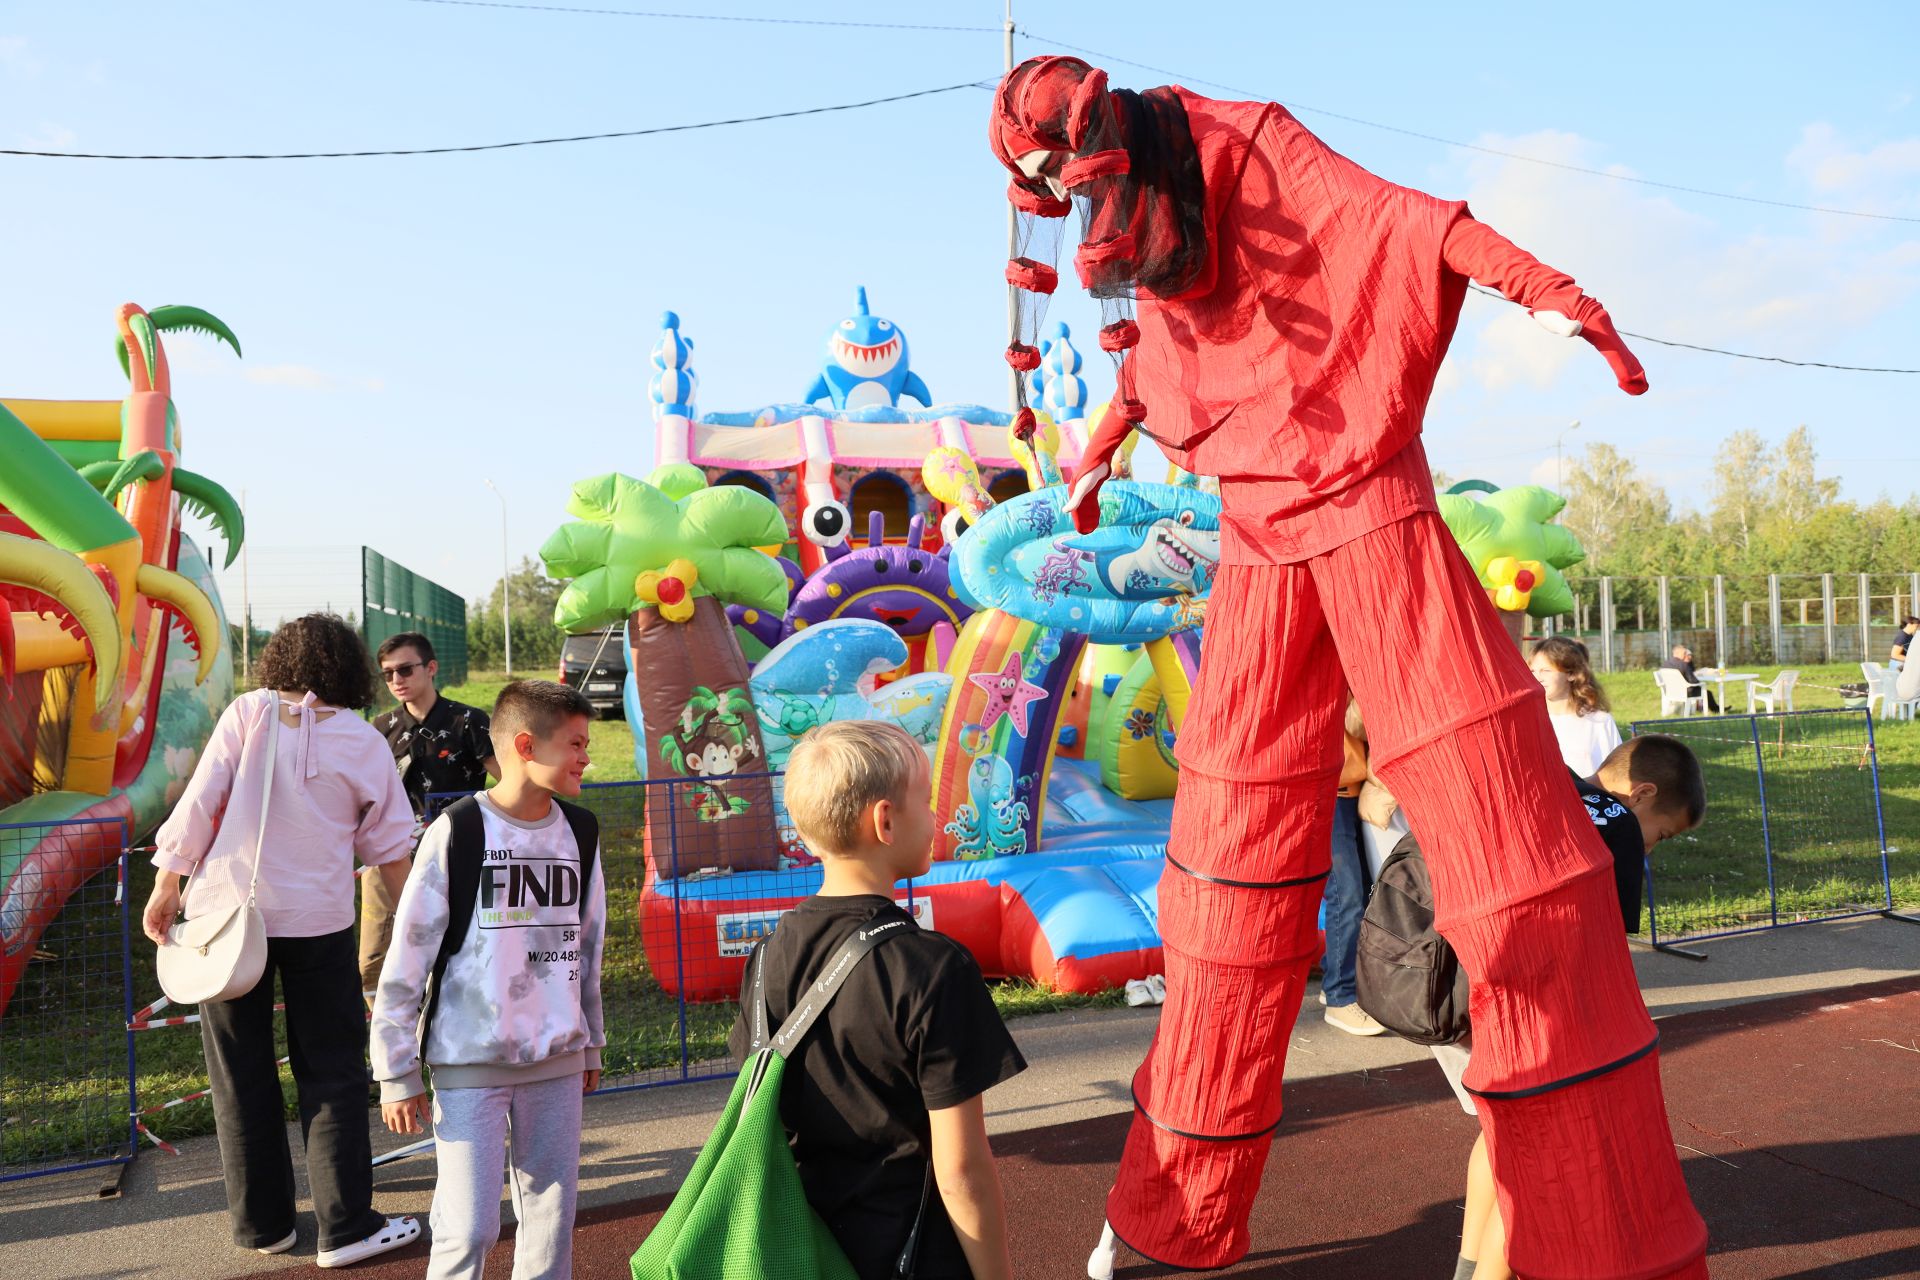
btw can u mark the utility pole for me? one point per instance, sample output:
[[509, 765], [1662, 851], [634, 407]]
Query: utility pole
[[1559, 473], [246, 602], [1016, 393], [506, 581]]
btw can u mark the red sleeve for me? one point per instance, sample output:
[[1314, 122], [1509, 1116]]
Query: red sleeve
[[1476, 250], [1479, 252]]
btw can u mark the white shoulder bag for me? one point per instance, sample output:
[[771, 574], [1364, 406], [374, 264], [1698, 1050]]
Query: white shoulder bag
[[212, 958]]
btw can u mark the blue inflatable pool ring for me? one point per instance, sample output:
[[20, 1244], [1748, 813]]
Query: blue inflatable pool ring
[[1136, 578]]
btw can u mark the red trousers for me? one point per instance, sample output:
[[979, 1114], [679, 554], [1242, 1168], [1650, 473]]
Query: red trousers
[[1564, 1057]]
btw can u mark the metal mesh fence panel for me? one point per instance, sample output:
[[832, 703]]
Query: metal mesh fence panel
[[688, 894], [1793, 831], [66, 1055], [395, 599]]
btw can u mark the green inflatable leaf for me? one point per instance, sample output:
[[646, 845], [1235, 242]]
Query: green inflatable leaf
[[111, 477], [213, 503], [1513, 522], [625, 527]]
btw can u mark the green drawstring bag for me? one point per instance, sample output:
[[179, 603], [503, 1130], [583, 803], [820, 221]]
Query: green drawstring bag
[[742, 1210]]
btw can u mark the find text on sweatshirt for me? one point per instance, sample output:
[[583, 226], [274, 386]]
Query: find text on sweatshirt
[[520, 1000]]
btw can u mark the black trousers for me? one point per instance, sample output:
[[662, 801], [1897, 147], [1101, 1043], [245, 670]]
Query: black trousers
[[326, 1041]]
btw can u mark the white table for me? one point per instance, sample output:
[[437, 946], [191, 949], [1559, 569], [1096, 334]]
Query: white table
[[1721, 679]]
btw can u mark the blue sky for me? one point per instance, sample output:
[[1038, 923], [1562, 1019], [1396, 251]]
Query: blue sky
[[414, 326]]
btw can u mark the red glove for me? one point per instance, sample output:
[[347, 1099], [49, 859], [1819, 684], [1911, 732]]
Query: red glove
[[1096, 464], [1596, 326]]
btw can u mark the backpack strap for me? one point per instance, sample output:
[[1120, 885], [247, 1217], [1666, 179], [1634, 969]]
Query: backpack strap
[[819, 993], [466, 851], [586, 834]]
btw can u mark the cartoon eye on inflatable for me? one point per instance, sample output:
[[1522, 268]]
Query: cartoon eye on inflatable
[[826, 524], [846, 324], [886, 324], [952, 525]]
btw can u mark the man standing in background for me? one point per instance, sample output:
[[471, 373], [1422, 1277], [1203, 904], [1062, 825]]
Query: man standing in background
[[439, 745]]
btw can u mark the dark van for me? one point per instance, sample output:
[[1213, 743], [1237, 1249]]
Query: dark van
[[596, 664]]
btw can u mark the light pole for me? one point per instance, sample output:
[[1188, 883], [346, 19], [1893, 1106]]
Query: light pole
[[1559, 473], [506, 581]]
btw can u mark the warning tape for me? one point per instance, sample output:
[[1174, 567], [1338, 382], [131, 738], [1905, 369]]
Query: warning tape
[[192, 1097], [155, 1138]]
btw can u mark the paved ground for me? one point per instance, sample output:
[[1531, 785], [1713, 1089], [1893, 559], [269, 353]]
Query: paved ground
[[1796, 1106]]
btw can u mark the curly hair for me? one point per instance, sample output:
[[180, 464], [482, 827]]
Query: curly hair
[[322, 655], [1569, 658]]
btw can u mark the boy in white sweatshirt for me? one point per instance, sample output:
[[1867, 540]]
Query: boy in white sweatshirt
[[510, 1000]]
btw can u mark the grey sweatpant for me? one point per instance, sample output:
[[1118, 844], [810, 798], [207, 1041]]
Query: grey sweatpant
[[471, 1132]]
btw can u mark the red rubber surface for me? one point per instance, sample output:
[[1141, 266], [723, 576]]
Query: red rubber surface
[[1801, 1114]]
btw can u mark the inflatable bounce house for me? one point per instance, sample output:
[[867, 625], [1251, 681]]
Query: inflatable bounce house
[[112, 670], [1044, 671]]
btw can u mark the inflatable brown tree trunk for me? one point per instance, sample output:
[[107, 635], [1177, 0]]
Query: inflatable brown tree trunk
[[713, 806]]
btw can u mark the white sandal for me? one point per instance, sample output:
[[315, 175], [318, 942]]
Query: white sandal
[[396, 1233]]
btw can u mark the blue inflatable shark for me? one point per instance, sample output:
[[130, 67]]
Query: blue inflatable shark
[[867, 364]]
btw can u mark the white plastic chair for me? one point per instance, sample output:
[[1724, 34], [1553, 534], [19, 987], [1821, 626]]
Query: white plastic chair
[[1674, 696], [1892, 705], [1781, 689], [1878, 687]]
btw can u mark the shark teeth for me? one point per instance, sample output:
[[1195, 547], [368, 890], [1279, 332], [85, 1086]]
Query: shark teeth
[[857, 355]]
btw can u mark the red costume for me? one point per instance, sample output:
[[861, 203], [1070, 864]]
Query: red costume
[[1293, 310]]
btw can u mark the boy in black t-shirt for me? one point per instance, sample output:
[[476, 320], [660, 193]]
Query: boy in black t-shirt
[[1647, 789], [438, 745], [883, 1099]]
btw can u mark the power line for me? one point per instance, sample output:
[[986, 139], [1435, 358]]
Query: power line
[[1722, 351], [503, 146], [699, 17], [1472, 146]]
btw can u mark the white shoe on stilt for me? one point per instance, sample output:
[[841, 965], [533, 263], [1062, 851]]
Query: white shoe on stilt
[[1100, 1261]]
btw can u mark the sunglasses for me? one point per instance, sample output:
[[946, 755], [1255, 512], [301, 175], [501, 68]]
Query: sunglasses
[[402, 672]]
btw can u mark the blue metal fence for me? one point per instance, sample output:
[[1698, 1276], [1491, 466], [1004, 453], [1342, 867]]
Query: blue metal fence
[[1794, 832], [66, 1053]]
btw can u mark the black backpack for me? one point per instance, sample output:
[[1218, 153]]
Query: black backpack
[[466, 854], [1410, 981]]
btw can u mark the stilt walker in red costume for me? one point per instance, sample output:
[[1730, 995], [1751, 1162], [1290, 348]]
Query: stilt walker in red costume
[[1293, 310]]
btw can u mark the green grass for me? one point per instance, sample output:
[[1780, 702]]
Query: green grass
[[58, 1093], [1821, 823]]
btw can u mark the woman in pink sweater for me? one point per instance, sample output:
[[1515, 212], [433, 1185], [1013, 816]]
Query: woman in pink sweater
[[333, 795]]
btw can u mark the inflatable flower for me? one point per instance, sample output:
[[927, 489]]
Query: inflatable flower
[[672, 590], [1512, 581]]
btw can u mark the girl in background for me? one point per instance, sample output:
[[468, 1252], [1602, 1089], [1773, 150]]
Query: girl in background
[[1576, 705]]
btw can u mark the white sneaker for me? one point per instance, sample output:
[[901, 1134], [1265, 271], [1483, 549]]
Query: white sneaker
[[396, 1233], [279, 1246], [1138, 993], [1323, 999], [1352, 1019]]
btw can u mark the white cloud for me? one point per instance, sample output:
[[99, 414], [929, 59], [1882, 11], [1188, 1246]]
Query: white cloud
[[307, 378], [49, 137], [1683, 275], [1547, 471], [1831, 165], [16, 58]]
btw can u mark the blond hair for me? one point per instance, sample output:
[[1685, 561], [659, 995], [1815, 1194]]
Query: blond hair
[[840, 770]]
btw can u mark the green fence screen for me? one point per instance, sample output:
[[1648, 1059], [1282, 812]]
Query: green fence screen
[[393, 599]]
